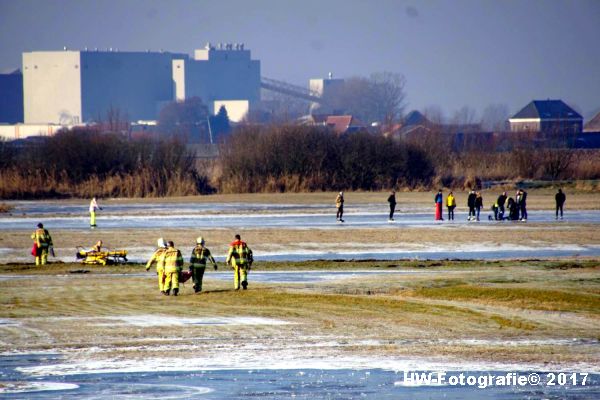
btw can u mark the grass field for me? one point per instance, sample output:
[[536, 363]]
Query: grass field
[[542, 312]]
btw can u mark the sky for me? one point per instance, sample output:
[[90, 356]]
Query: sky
[[452, 53]]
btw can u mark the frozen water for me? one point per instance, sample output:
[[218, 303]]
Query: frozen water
[[56, 215], [242, 383]]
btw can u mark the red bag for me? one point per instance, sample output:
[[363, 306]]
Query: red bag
[[34, 250], [184, 276]]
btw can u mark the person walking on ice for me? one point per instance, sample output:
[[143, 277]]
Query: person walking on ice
[[93, 208], [339, 204], [451, 205], [392, 201], [439, 199], [560, 199], [200, 255], [240, 258]]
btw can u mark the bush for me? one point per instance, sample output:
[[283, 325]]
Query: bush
[[86, 163], [297, 158]]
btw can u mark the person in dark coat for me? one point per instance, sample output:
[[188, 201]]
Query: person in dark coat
[[478, 204], [513, 209], [471, 205], [523, 205], [500, 203], [392, 200], [560, 198]]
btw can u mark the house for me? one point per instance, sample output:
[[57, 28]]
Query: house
[[593, 125], [547, 117], [340, 124]]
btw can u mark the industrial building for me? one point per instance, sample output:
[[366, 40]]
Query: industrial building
[[73, 87]]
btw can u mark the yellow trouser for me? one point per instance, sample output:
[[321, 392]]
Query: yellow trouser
[[240, 274], [161, 278], [171, 279], [92, 218], [42, 259]]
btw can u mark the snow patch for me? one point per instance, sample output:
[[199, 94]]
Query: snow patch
[[29, 387]]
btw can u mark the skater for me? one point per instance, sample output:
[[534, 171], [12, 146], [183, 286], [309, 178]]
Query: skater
[[42, 244], [523, 205], [560, 198], [198, 263], [451, 205], [439, 199], [173, 266], [158, 259], [240, 258], [93, 208], [478, 204], [500, 202], [392, 201], [339, 204], [471, 205]]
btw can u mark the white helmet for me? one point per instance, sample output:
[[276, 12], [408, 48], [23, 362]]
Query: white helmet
[[161, 242], [200, 240]]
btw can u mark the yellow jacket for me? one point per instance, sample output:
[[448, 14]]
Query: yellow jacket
[[157, 258], [42, 238], [173, 260], [450, 201]]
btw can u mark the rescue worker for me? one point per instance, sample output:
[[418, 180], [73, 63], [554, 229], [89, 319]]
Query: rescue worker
[[198, 263], [240, 258], [42, 242], [339, 204], [451, 205], [93, 208], [392, 200], [471, 205], [158, 259], [560, 199], [173, 265], [439, 199]]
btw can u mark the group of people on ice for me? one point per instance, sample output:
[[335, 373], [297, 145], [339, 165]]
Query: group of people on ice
[[169, 264], [504, 208]]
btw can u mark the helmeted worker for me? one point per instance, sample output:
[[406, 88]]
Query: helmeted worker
[[42, 241], [158, 259], [198, 263], [173, 266], [93, 208], [240, 258], [339, 204]]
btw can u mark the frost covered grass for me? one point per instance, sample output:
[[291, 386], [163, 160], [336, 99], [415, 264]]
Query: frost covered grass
[[526, 311]]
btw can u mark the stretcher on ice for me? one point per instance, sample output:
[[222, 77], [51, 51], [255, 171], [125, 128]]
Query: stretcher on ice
[[102, 257]]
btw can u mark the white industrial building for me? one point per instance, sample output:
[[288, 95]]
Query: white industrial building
[[73, 87], [221, 76]]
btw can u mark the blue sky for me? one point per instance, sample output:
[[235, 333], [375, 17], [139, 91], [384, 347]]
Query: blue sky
[[452, 53]]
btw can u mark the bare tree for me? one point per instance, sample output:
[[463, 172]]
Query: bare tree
[[495, 118], [379, 98], [465, 116]]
